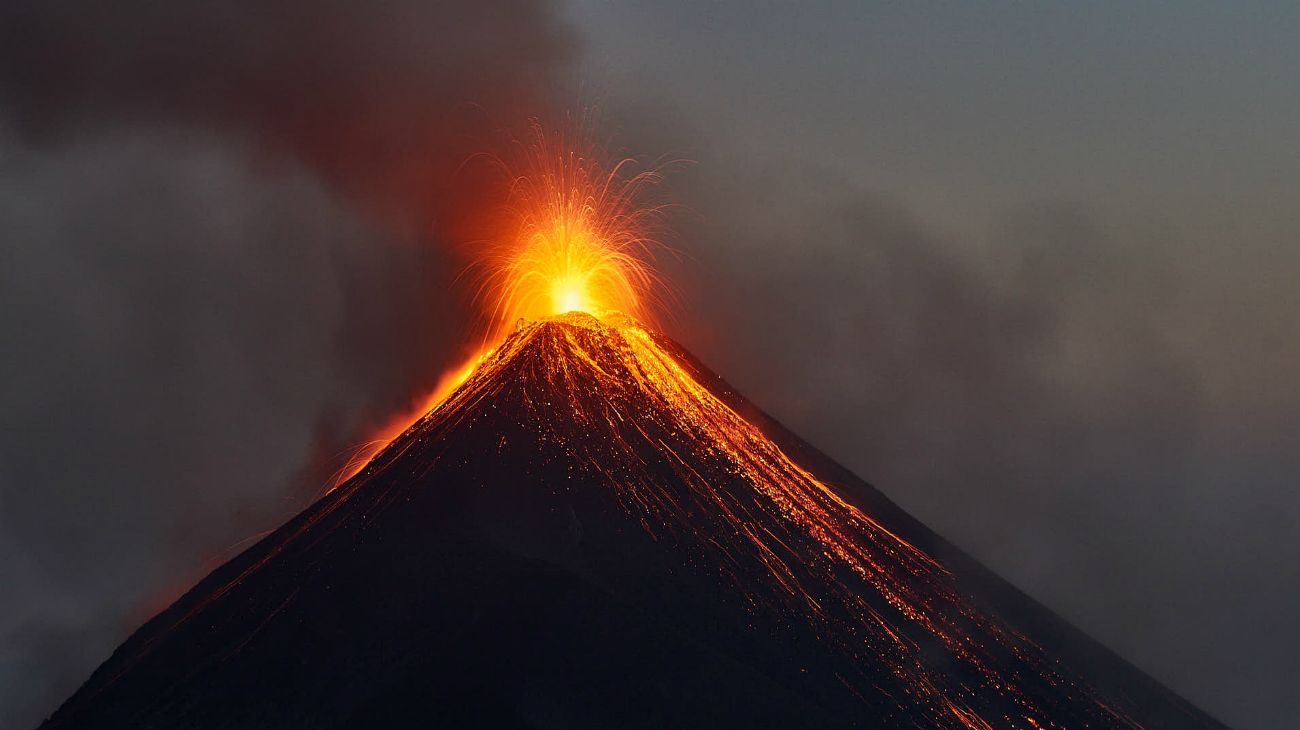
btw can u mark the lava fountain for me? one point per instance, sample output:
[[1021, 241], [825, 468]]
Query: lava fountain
[[580, 237], [576, 235]]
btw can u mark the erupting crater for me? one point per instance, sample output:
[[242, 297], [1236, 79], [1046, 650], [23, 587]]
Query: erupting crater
[[584, 527]]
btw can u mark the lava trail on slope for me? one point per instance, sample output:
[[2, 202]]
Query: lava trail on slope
[[595, 531]]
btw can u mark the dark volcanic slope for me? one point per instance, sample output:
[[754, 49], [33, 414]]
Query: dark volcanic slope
[[594, 531]]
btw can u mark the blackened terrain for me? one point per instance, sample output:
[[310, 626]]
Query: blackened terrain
[[595, 531]]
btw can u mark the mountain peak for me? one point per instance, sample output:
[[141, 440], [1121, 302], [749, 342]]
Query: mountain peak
[[593, 531]]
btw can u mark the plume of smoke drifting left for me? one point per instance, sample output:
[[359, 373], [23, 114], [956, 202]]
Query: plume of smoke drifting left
[[210, 209]]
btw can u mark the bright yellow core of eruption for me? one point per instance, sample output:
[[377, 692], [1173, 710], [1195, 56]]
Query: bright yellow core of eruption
[[567, 268], [570, 295], [580, 237]]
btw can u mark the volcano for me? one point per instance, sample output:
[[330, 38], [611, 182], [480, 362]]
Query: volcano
[[595, 531]]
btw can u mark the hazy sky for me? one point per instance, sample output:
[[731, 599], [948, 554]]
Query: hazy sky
[[1039, 264], [1028, 269]]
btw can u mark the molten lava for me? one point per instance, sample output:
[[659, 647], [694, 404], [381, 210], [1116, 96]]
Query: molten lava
[[578, 238], [626, 411]]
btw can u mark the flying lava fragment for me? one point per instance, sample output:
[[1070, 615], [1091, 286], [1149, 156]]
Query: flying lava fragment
[[580, 240], [575, 236]]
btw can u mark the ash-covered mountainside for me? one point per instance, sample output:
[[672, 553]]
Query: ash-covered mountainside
[[595, 531]]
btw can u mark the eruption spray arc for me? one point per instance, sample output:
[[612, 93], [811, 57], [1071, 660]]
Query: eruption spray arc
[[576, 236], [580, 239]]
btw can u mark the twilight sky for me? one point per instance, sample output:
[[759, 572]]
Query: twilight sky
[[1029, 270]]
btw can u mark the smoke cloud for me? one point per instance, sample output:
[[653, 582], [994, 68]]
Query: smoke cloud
[[1099, 407], [227, 252], [226, 258], [377, 100]]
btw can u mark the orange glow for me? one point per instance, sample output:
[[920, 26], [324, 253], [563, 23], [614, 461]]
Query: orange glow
[[577, 239], [448, 382]]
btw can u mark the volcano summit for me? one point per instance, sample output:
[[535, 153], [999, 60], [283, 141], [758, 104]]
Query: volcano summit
[[595, 531]]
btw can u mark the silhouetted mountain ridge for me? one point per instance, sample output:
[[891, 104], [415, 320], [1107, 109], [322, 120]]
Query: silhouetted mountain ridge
[[596, 531]]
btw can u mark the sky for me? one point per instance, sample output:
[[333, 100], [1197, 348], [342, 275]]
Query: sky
[[1027, 269]]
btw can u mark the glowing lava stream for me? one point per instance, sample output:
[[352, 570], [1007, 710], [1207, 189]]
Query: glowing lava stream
[[621, 406], [579, 241], [563, 294]]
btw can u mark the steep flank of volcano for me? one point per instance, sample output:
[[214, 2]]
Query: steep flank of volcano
[[594, 531]]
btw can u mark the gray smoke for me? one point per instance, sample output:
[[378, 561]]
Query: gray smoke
[[1101, 409], [225, 259], [227, 229]]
